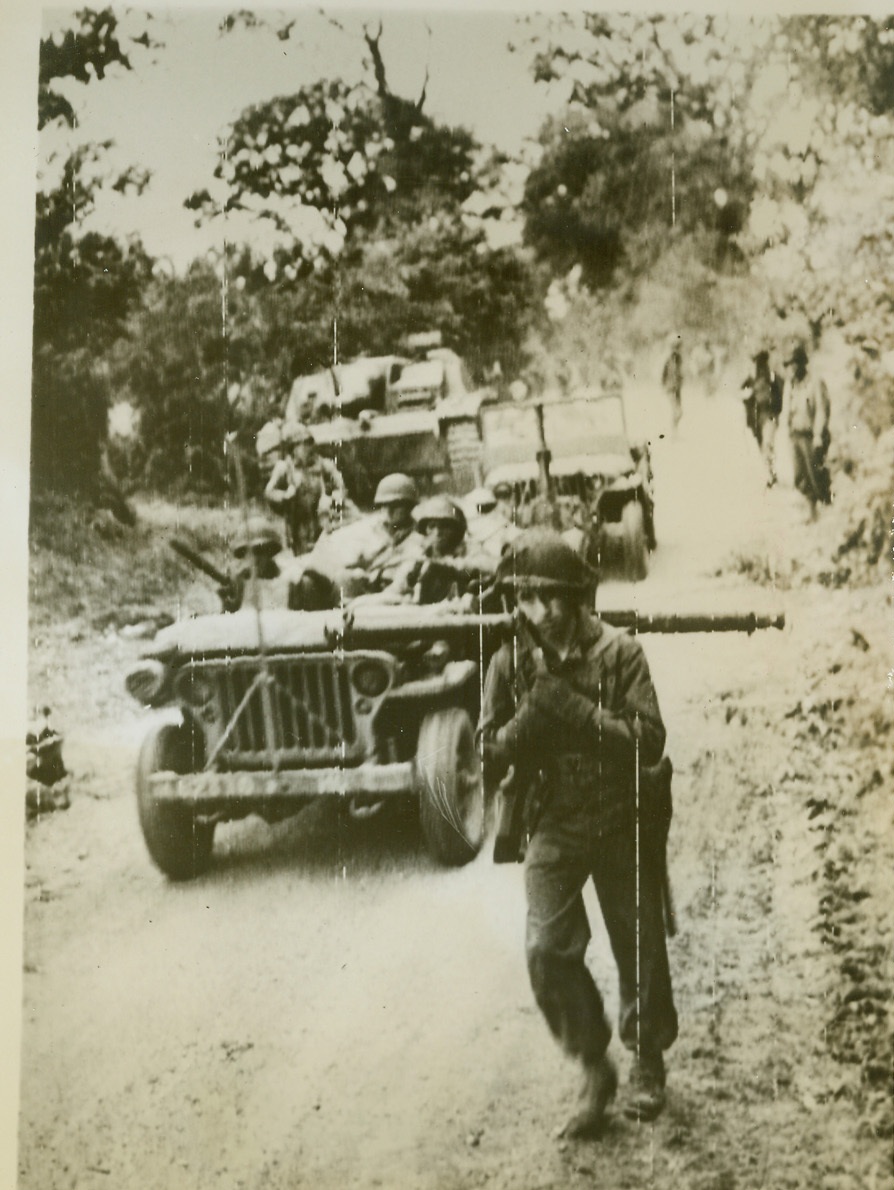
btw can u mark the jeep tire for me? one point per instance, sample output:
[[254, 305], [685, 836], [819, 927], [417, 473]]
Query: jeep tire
[[636, 550], [451, 789], [178, 843]]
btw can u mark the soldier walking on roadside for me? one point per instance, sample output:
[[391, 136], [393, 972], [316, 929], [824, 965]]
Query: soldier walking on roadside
[[672, 379], [808, 427], [569, 705], [296, 485], [764, 405]]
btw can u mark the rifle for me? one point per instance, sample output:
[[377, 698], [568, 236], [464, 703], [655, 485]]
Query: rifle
[[656, 808], [230, 589]]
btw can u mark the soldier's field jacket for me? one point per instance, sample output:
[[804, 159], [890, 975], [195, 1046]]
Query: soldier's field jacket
[[593, 772]]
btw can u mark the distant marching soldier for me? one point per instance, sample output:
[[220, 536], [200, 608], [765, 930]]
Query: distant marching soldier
[[672, 379], [808, 427], [763, 407], [269, 446]]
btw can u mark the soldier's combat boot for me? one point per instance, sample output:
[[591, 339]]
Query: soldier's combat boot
[[646, 1096], [600, 1087]]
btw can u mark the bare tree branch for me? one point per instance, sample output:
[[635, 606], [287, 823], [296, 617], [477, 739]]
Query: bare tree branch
[[378, 63], [421, 100]]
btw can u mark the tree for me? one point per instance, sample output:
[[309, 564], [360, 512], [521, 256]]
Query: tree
[[84, 283], [362, 194], [174, 366], [648, 142], [334, 162]]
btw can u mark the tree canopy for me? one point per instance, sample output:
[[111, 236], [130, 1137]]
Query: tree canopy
[[706, 173], [84, 282]]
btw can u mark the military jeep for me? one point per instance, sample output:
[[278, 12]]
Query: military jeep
[[279, 708], [574, 457]]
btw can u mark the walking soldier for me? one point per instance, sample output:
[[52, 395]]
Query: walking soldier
[[570, 712], [808, 427]]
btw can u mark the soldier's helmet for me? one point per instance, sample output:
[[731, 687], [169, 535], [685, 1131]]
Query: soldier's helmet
[[295, 434], [441, 510], [395, 489], [482, 500], [257, 536], [540, 560]]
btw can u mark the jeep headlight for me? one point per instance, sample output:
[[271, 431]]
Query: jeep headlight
[[435, 658], [149, 683], [195, 689], [370, 678]]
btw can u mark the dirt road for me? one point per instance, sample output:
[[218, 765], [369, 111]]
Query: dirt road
[[326, 1009]]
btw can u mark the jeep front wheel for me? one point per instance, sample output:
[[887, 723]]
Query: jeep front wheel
[[178, 843], [636, 551], [451, 790]]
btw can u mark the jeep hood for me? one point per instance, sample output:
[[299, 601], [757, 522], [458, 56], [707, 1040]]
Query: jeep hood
[[282, 631], [609, 465]]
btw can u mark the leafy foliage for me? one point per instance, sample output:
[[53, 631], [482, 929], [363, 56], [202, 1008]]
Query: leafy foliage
[[173, 367], [363, 197], [648, 147], [333, 162], [84, 283]]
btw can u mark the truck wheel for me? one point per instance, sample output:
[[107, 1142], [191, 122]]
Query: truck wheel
[[636, 554], [451, 789], [178, 844]]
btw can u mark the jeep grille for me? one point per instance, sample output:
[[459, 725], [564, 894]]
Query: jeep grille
[[308, 720]]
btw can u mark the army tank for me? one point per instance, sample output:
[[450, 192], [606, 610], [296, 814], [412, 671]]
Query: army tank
[[420, 417]]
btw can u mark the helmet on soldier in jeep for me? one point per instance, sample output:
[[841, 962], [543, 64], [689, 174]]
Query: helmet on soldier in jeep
[[395, 489], [540, 560], [443, 523], [257, 536], [440, 510], [483, 499]]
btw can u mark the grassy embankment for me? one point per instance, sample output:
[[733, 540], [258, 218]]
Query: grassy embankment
[[103, 574]]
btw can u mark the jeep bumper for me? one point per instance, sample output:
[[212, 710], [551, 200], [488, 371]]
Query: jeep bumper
[[382, 780]]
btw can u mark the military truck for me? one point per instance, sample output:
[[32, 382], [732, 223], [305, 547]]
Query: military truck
[[277, 708]]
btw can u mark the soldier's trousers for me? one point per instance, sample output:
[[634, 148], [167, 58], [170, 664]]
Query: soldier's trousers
[[811, 476], [560, 858]]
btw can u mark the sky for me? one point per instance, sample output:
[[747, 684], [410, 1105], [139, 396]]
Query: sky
[[168, 112]]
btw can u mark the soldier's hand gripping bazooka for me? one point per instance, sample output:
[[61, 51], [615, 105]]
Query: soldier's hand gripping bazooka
[[520, 791], [523, 794]]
